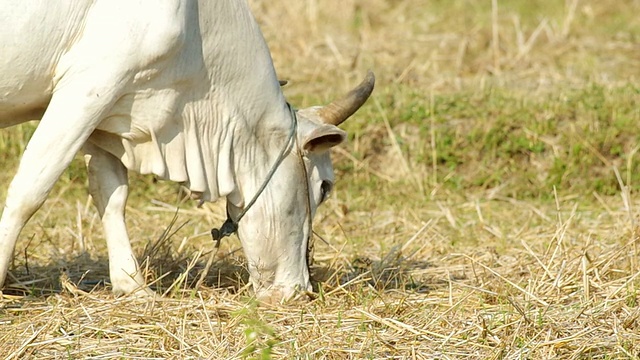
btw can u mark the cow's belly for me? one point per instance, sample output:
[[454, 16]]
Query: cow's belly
[[33, 37]]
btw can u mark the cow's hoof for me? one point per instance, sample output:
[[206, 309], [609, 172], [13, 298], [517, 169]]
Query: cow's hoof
[[140, 292], [279, 296], [144, 292], [130, 287]]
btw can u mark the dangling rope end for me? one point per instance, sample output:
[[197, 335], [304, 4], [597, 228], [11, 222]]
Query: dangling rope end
[[227, 228]]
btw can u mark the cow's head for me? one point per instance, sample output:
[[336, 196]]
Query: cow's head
[[275, 230]]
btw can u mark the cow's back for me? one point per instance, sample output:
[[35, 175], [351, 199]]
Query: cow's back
[[33, 37]]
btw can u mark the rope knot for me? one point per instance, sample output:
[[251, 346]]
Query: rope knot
[[228, 227]]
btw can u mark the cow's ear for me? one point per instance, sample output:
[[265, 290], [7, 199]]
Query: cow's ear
[[321, 138]]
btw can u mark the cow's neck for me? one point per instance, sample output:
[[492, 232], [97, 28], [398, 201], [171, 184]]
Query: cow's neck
[[237, 58], [248, 106]]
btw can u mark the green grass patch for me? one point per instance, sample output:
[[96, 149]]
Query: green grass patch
[[570, 139]]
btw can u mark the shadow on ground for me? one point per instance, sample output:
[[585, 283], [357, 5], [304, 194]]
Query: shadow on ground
[[166, 271]]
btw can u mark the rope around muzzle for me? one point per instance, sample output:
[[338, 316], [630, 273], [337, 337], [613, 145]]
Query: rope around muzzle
[[230, 225]]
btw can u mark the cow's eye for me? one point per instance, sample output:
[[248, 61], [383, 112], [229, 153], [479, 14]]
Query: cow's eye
[[325, 190]]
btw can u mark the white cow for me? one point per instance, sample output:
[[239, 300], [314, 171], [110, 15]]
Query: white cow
[[185, 90]]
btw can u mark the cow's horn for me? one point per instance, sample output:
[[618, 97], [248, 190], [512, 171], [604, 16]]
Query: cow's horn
[[340, 109]]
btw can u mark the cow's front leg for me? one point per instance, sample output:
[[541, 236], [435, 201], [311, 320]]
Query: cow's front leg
[[108, 185], [74, 111]]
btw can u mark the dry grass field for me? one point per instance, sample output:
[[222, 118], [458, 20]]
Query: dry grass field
[[487, 202]]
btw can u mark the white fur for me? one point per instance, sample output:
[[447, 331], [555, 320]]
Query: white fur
[[185, 90]]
